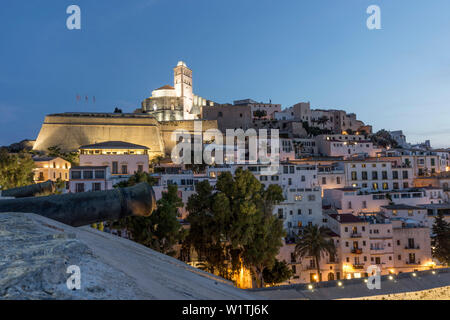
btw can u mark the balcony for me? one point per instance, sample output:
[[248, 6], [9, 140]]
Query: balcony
[[412, 247], [356, 235], [357, 251], [412, 262], [358, 266]]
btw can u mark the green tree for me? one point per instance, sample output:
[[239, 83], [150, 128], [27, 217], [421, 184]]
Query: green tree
[[165, 228], [322, 121], [16, 169], [383, 139], [72, 157], [136, 178], [161, 230], [314, 242], [234, 226], [279, 272], [440, 239]]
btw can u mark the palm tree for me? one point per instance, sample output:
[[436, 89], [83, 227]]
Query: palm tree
[[314, 242]]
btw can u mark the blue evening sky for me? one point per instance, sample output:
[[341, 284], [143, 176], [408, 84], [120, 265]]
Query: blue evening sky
[[287, 51]]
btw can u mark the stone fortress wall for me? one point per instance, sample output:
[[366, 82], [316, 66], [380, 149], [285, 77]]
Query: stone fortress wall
[[69, 131]]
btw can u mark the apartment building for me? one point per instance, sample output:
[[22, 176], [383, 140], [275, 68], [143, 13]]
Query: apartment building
[[377, 175], [122, 158], [50, 168], [412, 246], [353, 244], [355, 201], [404, 211], [331, 176], [346, 146], [90, 178], [425, 163]]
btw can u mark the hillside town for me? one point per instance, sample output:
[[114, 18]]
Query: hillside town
[[374, 195]]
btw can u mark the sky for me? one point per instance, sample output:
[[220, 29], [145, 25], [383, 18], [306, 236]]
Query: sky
[[281, 50]]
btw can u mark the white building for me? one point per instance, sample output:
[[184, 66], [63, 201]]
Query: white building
[[374, 174], [355, 201], [122, 158], [347, 146], [90, 178]]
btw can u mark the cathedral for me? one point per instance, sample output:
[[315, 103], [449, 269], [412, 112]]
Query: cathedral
[[177, 102], [168, 109]]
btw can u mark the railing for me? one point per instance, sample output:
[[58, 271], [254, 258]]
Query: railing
[[412, 247], [413, 262], [356, 235], [357, 250], [358, 266]]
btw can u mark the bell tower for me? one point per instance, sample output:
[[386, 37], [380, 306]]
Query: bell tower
[[183, 88]]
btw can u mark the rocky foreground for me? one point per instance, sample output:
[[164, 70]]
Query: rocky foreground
[[35, 253]]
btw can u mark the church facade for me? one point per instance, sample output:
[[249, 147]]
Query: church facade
[[177, 102]]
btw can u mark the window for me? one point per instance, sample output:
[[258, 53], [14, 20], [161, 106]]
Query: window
[[41, 176], [96, 186], [311, 197], [364, 175], [374, 175], [299, 211], [338, 180], [354, 176], [384, 175], [88, 174], [280, 213], [375, 186], [124, 169], [324, 180], [405, 174], [310, 211], [140, 168], [79, 187], [76, 174], [99, 174], [395, 175], [115, 167]]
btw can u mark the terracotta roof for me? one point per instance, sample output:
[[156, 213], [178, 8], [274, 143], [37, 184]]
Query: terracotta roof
[[114, 145]]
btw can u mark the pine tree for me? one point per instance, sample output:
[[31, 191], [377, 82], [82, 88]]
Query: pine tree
[[235, 227], [16, 169], [440, 240], [279, 272]]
